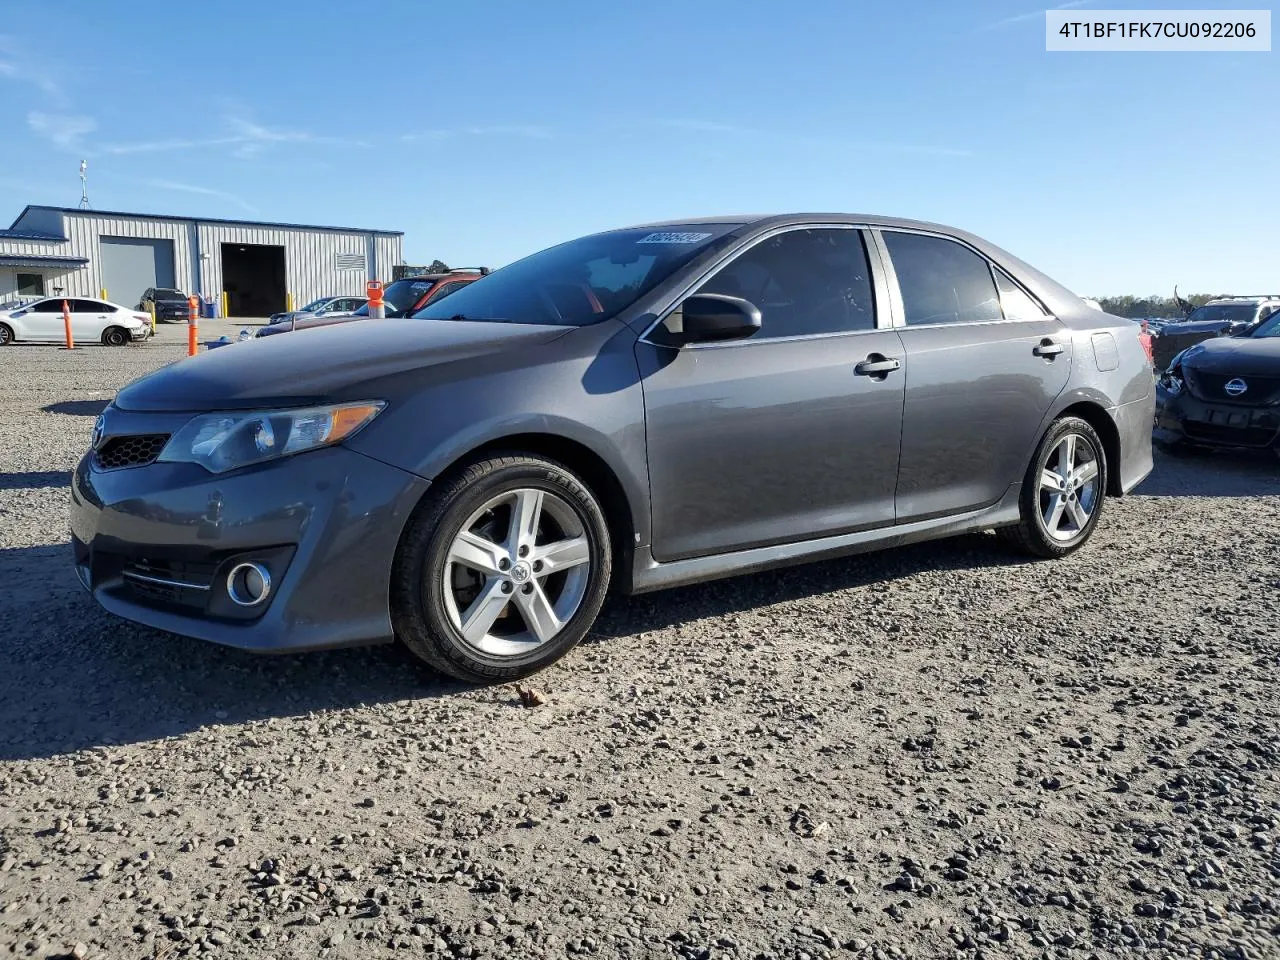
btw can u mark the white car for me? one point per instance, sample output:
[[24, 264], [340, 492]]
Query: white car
[[92, 321]]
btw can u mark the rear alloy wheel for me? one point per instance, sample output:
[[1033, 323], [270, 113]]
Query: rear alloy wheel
[[502, 571], [1063, 492], [6, 335], [115, 336]]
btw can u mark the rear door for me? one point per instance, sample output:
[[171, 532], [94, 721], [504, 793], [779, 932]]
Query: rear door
[[787, 435], [89, 318], [984, 361]]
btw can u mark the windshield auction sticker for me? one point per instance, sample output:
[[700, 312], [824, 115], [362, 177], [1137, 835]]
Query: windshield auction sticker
[[1119, 31], [674, 238]]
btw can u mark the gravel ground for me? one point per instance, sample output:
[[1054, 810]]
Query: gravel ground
[[940, 750]]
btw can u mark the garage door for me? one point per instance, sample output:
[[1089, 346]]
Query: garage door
[[130, 265]]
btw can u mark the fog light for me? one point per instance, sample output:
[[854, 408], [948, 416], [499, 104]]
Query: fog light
[[248, 584]]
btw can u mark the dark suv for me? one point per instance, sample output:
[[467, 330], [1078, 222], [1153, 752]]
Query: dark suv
[[401, 298], [170, 305]]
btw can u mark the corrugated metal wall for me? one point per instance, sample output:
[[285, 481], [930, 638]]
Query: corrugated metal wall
[[311, 256], [84, 229]]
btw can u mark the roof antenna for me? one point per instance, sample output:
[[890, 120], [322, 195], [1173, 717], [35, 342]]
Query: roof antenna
[[84, 186]]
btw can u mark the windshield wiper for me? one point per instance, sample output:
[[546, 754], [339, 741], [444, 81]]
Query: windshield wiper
[[463, 316]]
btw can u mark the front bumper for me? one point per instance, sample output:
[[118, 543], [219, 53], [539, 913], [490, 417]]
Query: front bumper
[[1185, 418], [155, 544], [141, 335]]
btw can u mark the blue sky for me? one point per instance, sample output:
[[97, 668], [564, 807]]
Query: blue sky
[[500, 128]]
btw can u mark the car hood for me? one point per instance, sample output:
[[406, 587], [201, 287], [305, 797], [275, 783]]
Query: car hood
[[329, 363], [1238, 356]]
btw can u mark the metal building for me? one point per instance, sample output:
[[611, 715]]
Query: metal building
[[247, 269]]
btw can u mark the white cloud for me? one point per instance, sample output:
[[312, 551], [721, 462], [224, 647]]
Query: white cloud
[[1032, 15], [528, 132], [65, 130], [203, 191], [245, 137]]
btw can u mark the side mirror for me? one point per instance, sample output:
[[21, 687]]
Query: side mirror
[[711, 317]]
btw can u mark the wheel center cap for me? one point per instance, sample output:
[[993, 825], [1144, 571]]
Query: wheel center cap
[[521, 573]]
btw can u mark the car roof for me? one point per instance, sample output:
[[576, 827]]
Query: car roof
[[1254, 298], [761, 219]]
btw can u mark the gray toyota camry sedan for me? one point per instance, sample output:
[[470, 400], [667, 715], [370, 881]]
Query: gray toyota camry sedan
[[639, 408]]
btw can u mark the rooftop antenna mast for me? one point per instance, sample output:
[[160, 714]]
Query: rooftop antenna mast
[[84, 186]]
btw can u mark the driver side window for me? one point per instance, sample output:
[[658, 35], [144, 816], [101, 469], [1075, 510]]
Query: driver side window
[[805, 282]]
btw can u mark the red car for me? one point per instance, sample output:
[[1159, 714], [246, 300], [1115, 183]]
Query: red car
[[401, 298]]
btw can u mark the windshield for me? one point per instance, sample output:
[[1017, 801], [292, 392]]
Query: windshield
[[1230, 312], [1269, 327], [315, 304], [166, 292], [399, 298], [580, 282]]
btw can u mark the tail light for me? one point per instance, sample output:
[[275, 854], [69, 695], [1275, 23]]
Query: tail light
[[1144, 338]]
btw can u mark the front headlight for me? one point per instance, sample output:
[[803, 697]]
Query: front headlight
[[1172, 381], [227, 441]]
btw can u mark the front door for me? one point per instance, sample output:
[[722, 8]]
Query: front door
[[984, 363], [44, 321], [778, 437]]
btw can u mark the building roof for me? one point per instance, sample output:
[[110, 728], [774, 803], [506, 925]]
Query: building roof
[[28, 260], [157, 216]]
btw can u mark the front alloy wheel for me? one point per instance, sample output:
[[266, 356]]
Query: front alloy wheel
[[502, 569], [516, 572]]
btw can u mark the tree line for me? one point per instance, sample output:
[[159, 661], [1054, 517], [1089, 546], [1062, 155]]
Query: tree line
[[1153, 306]]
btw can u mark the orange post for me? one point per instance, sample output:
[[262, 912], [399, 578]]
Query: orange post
[[193, 325], [376, 308], [66, 324]]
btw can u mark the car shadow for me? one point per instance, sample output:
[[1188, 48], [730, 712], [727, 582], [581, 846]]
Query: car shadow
[[77, 408], [655, 611], [35, 479], [73, 677], [1213, 473]]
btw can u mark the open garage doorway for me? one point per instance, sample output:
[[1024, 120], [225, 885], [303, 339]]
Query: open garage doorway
[[253, 276]]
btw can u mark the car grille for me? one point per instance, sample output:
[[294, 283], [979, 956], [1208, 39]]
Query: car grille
[[1229, 436], [130, 451], [1211, 386]]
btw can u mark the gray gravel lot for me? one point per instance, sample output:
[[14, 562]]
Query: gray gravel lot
[[941, 750]]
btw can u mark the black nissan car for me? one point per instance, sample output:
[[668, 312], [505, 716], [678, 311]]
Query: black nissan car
[[1224, 392]]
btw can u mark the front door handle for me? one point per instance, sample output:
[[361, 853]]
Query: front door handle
[[876, 365], [1047, 348]]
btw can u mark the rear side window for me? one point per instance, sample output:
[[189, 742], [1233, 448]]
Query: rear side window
[[805, 282], [90, 306], [1015, 302], [942, 281]]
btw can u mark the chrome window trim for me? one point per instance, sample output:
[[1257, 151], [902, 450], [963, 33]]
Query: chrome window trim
[[895, 289], [873, 268]]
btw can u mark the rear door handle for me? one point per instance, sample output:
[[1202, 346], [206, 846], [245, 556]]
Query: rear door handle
[[876, 365], [1047, 348]]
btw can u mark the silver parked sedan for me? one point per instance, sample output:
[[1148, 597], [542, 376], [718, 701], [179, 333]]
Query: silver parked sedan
[[645, 407]]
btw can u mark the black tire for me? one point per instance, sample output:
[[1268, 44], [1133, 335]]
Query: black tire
[[1032, 535], [6, 335], [115, 336], [419, 613]]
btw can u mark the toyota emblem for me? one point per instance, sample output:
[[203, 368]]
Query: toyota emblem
[[1236, 387]]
